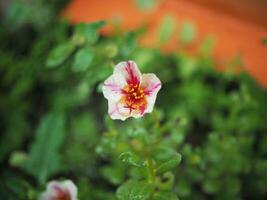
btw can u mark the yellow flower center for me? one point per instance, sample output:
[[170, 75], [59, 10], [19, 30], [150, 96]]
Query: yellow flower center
[[134, 98]]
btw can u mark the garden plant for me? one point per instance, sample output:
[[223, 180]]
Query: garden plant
[[92, 117]]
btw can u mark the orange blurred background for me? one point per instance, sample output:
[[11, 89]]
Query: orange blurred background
[[239, 27]]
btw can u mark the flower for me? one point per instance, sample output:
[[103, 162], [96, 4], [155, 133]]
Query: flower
[[64, 190], [130, 93]]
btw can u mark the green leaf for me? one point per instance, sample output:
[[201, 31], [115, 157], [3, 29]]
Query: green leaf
[[207, 46], [134, 190], [169, 165], [211, 185], [165, 182], [99, 74], [98, 24], [166, 29], [129, 158], [44, 157], [13, 134], [59, 54], [162, 153], [17, 158], [188, 65], [13, 185], [188, 33], [114, 174], [165, 195], [82, 60], [147, 4], [89, 31]]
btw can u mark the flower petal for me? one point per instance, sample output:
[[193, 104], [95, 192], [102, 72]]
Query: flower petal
[[151, 85], [117, 111], [138, 113], [112, 87], [128, 71], [69, 185], [57, 189], [51, 191]]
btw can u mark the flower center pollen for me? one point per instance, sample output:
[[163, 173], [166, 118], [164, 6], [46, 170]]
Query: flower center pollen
[[134, 97]]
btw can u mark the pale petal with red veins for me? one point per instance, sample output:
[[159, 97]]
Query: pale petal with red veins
[[128, 71], [138, 113], [112, 88], [129, 93], [51, 191], [117, 110], [69, 185], [151, 85], [56, 189]]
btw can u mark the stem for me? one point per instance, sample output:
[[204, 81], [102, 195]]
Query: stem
[[151, 171]]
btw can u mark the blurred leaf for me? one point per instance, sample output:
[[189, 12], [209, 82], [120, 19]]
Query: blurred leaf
[[129, 44], [89, 31], [211, 186], [146, 5], [264, 41], [187, 33], [99, 74], [82, 60], [98, 24], [44, 157], [79, 155], [169, 165], [59, 54], [129, 158], [33, 12], [15, 135], [12, 186], [207, 46], [134, 190], [17, 158], [166, 181], [163, 152], [166, 29], [163, 195], [114, 174], [111, 50], [187, 65]]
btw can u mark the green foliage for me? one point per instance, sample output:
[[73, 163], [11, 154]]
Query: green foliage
[[168, 165], [187, 33], [165, 196], [129, 158], [83, 59], [166, 29], [88, 32], [59, 54], [146, 5], [134, 190], [54, 122], [34, 12], [44, 157]]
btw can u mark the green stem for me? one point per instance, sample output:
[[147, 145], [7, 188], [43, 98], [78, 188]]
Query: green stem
[[151, 171]]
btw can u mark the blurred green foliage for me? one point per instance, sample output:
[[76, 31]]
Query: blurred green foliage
[[54, 121]]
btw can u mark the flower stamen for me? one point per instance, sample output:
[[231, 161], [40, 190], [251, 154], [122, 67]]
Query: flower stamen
[[134, 97]]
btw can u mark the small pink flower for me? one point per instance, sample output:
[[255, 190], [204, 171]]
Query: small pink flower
[[129, 93], [65, 190]]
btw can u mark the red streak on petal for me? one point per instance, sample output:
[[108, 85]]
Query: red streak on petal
[[150, 90], [61, 194], [133, 79], [113, 87]]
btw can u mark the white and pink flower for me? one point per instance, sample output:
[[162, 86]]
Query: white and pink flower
[[130, 93], [64, 190]]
